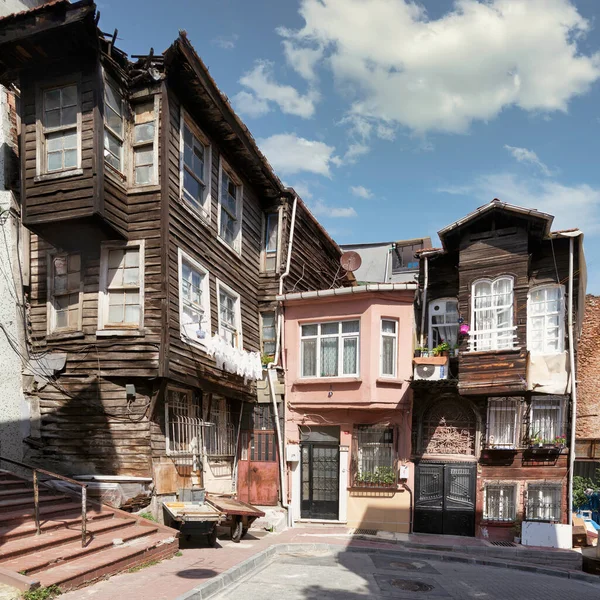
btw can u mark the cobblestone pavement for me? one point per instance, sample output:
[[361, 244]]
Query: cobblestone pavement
[[326, 575]]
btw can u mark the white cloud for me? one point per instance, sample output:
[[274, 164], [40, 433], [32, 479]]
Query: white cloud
[[263, 89], [385, 132], [398, 66], [354, 151], [289, 154], [572, 205], [361, 191], [523, 155], [227, 42], [250, 105], [302, 189], [321, 209], [302, 59]]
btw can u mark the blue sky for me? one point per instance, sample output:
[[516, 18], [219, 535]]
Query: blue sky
[[393, 119]]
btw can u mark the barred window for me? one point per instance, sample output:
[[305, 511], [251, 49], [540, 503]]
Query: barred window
[[220, 433], [502, 425], [374, 456], [546, 422], [500, 502], [182, 416], [544, 501]]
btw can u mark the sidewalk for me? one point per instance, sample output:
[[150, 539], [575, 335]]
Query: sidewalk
[[178, 575]]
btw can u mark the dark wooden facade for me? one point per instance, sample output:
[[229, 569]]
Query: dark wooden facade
[[451, 417], [89, 421]]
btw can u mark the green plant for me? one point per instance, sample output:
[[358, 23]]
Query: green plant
[[42, 593], [443, 347], [560, 440], [137, 568], [266, 359], [148, 515], [178, 553], [380, 476], [580, 486]]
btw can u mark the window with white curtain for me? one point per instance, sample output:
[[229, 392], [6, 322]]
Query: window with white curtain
[[500, 502], [544, 501], [545, 423], [389, 347], [230, 319], [194, 300], [492, 315], [443, 322], [502, 423], [330, 349], [545, 323]]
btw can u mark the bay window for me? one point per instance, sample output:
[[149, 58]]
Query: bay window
[[330, 349], [389, 347], [492, 305], [194, 300], [502, 422], [443, 322], [500, 502], [545, 323], [544, 502]]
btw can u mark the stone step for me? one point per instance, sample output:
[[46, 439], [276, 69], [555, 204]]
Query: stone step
[[20, 516], [58, 536], [8, 503], [84, 570], [70, 519], [22, 491], [49, 557]]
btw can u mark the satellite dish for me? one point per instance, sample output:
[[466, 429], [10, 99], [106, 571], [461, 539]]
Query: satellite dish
[[350, 261]]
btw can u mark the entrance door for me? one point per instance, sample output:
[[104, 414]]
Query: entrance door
[[445, 498], [320, 468]]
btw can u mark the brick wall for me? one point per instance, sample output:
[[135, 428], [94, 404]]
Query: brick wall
[[588, 372]]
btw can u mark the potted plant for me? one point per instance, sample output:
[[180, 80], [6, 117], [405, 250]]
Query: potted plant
[[380, 477], [418, 351], [517, 528], [560, 441], [442, 350], [455, 350], [266, 359], [535, 441]]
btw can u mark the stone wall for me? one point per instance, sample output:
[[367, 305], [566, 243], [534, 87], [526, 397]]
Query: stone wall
[[588, 372]]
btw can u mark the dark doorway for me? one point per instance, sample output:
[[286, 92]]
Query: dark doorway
[[445, 498], [319, 471]]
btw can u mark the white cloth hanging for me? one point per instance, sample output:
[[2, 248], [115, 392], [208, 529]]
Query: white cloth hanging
[[234, 360]]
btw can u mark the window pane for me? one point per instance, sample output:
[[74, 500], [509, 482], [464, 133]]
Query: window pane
[[388, 326], [52, 118], [228, 228], [132, 314], [350, 326], [132, 257], [329, 357], [113, 98], [69, 140], [271, 233], [309, 358], [310, 330], [388, 355], [143, 175], [69, 95], [54, 161], [330, 328], [69, 115], [114, 120], [350, 358], [52, 99], [70, 159], [54, 142], [144, 132], [192, 188]]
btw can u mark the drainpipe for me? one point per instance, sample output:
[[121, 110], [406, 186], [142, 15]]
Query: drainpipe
[[573, 383], [424, 300], [271, 368], [387, 262]]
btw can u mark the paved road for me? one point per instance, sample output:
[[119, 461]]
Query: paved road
[[324, 575]]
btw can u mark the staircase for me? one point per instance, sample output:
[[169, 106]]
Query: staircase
[[116, 541]]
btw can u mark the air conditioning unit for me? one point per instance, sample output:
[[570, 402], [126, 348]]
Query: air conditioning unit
[[430, 368]]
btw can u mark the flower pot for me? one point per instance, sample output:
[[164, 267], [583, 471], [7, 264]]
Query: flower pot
[[418, 353]]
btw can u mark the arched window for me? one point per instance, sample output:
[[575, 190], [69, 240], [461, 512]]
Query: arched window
[[546, 320], [443, 322], [492, 304]]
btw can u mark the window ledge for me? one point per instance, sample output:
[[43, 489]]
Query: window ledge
[[327, 380], [491, 352], [58, 175], [191, 342], [497, 523], [231, 248], [64, 335], [120, 333], [375, 488], [390, 381], [144, 189], [205, 220]]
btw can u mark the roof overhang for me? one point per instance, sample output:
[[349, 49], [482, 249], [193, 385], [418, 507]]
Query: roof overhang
[[349, 291]]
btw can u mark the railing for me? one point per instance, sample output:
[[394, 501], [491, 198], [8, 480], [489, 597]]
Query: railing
[[502, 338], [36, 494]]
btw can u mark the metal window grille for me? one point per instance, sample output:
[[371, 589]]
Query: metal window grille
[[502, 425], [545, 420], [500, 502], [544, 502], [374, 456], [184, 427], [220, 435]]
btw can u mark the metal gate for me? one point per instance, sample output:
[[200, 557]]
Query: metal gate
[[445, 498], [320, 468]]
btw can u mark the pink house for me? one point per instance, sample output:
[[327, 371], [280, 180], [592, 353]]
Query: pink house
[[348, 361]]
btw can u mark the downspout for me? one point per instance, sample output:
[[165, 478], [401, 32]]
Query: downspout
[[573, 384], [271, 368], [424, 300], [387, 262]]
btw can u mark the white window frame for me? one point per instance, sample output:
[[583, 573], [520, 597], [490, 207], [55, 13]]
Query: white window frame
[[561, 320], [42, 132], [495, 333], [109, 81], [531, 488], [224, 167], [133, 145], [558, 409], [205, 289], [501, 405], [51, 306], [238, 311], [431, 313], [185, 120], [502, 485], [394, 336], [267, 216], [104, 327], [262, 338], [340, 336]]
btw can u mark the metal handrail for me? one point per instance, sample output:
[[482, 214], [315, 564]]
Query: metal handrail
[[36, 494]]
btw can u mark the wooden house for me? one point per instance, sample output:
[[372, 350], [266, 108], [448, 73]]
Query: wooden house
[[493, 409], [160, 237]]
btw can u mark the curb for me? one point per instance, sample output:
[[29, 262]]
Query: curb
[[234, 574]]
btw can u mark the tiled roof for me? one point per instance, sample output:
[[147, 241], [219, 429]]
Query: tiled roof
[[33, 10]]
